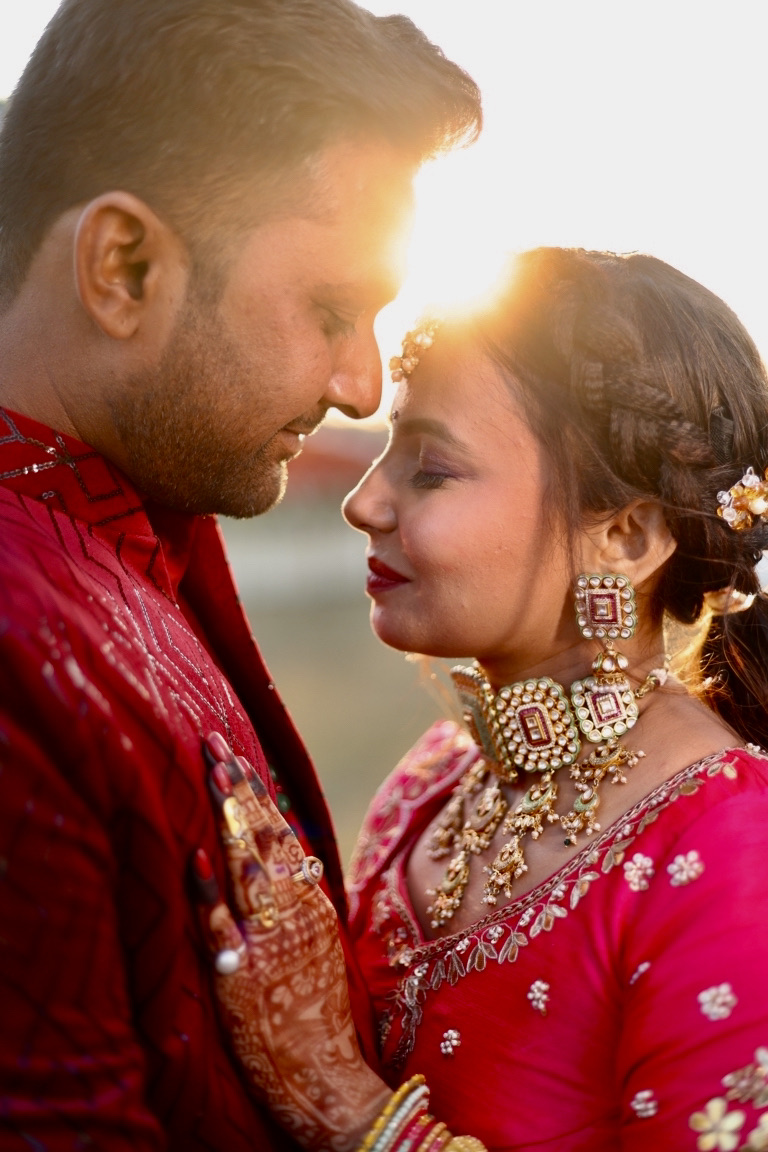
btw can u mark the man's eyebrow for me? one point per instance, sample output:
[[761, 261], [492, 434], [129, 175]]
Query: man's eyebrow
[[371, 293]]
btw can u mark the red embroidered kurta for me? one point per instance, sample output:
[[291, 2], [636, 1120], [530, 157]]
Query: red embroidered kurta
[[620, 1004], [121, 644]]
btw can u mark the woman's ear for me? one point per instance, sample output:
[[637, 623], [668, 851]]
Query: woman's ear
[[635, 541], [128, 263]]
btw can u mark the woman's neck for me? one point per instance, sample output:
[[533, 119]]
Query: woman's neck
[[644, 653]]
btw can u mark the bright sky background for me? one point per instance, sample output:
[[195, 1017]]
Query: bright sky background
[[609, 124]]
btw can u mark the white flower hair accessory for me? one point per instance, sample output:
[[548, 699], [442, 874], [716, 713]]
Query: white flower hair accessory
[[745, 502]]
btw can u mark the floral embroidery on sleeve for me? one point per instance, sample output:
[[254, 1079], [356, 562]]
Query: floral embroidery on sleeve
[[538, 994], [757, 1140], [451, 1040], [685, 868], [638, 871], [717, 1002], [644, 1104], [719, 1128], [750, 1083]]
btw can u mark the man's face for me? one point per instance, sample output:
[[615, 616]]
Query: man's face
[[240, 382]]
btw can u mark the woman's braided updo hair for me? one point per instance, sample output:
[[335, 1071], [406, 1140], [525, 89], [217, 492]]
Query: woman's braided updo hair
[[640, 383]]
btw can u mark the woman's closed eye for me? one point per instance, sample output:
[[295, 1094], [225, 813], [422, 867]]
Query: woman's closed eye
[[424, 479]]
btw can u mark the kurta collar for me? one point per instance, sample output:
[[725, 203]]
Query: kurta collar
[[69, 477]]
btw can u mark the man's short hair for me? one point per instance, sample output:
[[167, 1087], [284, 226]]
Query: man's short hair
[[188, 103]]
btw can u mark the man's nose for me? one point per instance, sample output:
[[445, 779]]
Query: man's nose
[[355, 386]]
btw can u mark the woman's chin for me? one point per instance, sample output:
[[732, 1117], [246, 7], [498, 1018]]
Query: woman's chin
[[389, 636], [403, 639], [390, 631]]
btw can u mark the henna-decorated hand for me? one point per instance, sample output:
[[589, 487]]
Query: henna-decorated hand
[[280, 975]]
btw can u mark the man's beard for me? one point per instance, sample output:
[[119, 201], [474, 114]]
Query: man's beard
[[186, 441]]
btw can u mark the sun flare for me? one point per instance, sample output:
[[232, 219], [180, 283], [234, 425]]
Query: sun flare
[[457, 254]]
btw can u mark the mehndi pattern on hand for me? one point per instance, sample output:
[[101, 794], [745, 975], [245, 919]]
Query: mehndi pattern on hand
[[285, 1005]]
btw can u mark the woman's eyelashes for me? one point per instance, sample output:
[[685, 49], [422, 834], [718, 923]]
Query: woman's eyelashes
[[429, 469], [423, 479], [432, 474]]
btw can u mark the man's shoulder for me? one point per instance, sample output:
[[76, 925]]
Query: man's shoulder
[[43, 575], [29, 538], [28, 533]]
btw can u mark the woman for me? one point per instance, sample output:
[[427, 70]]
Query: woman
[[560, 903]]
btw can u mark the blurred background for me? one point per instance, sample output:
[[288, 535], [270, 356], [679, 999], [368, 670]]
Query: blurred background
[[301, 573], [609, 124]]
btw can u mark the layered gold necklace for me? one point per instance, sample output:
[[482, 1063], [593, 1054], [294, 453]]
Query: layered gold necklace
[[531, 727]]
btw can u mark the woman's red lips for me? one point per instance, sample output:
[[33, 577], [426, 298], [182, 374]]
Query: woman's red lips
[[381, 576]]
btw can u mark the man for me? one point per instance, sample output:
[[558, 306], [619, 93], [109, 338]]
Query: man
[[200, 209]]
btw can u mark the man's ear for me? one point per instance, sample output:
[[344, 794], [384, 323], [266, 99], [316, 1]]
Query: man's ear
[[635, 541], [127, 262]]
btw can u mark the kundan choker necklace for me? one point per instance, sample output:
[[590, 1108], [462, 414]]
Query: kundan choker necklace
[[533, 726]]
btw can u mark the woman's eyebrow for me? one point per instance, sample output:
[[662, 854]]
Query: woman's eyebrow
[[414, 425]]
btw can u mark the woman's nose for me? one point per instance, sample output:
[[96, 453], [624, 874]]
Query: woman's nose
[[368, 507]]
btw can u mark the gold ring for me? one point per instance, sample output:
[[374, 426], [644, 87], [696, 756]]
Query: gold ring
[[266, 916], [311, 870]]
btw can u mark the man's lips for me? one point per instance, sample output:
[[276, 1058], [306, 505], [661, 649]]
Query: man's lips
[[294, 435], [292, 443], [302, 427], [381, 577]]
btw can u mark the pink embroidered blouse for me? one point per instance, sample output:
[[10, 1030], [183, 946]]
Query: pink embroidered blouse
[[622, 1004]]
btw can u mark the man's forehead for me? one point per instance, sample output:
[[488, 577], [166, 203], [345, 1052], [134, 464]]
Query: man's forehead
[[361, 175]]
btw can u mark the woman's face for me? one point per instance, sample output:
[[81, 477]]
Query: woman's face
[[462, 560]]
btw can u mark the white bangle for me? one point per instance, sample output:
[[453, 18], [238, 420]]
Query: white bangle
[[416, 1101]]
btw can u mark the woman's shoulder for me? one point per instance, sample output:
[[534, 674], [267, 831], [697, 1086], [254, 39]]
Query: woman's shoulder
[[706, 823], [752, 757], [423, 775], [435, 754], [440, 755], [726, 798], [737, 775]]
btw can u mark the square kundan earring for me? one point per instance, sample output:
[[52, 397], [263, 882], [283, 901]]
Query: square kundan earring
[[604, 703]]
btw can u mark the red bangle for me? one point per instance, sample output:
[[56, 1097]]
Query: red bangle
[[413, 1135]]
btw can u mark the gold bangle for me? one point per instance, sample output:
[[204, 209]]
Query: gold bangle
[[438, 1133], [390, 1106], [465, 1144]]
